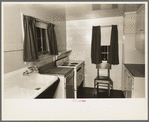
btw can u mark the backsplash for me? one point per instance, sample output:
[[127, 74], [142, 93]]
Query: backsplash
[[14, 61], [46, 59]]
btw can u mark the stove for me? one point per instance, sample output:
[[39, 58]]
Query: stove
[[78, 67], [69, 64]]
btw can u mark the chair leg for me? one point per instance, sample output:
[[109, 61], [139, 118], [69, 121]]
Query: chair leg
[[94, 87], [97, 91], [108, 90]]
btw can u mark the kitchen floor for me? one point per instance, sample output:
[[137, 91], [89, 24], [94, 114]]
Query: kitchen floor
[[89, 93]]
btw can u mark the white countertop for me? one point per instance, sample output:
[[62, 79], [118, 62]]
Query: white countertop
[[24, 87]]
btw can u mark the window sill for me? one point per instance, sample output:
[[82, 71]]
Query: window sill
[[104, 61]]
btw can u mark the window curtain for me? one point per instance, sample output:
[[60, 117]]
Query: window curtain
[[113, 54], [52, 39], [96, 45], [30, 39]]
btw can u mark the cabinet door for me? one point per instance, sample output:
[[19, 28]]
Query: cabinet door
[[129, 86], [49, 92], [70, 88], [80, 75], [125, 78], [139, 88]]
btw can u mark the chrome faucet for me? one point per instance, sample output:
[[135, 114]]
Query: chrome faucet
[[26, 73], [32, 69]]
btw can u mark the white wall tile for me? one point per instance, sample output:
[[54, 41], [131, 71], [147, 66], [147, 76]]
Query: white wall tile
[[79, 36], [13, 39], [131, 54], [130, 21]]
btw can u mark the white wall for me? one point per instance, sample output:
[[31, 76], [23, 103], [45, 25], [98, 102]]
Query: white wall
[[131, 54], [60, 30], [12, 36], [79, 34]]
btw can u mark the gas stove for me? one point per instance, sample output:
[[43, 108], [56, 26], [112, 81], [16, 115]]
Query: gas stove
[[78, 67], [65, 62], [69, 64]]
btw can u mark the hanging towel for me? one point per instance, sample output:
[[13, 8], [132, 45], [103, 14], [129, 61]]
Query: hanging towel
[[96, 45], [113, 54]]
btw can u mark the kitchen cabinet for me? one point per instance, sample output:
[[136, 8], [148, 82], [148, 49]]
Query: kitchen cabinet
[[140, 29], [80, 74], [70, 88], [80, 80], [133, 85], [65, 88], [49, 92]]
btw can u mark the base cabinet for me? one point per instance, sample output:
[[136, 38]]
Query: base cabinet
[[49, 92], [133, 87], [70, 88], [65, 88]]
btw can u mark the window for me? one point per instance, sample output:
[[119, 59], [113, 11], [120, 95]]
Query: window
[[42, 41], [105, 52]]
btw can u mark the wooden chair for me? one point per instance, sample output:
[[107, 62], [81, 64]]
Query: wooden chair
[[103, 81]]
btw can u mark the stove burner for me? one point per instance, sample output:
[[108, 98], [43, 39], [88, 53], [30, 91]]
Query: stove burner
[[71, 65], [65, 65], [74, 63]]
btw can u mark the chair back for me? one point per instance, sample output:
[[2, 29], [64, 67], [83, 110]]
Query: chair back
[[103, 66]]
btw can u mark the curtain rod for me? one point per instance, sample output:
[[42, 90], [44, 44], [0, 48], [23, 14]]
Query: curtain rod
[[39, 20], [106, 26]]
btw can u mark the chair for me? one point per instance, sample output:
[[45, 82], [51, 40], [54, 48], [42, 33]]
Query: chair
[[103, 81]]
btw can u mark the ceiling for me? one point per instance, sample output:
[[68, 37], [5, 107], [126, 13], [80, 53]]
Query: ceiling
[[70, 9], [80, 10]]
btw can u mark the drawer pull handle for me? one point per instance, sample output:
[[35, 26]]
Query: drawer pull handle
[[78, 69]]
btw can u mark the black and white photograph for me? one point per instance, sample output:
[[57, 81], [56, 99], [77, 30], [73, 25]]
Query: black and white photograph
[[74, 60]]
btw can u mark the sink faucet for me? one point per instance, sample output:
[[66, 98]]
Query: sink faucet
[[32, 69]]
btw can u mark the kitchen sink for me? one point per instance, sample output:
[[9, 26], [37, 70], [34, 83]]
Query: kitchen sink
[[24, 87], [37, 88]]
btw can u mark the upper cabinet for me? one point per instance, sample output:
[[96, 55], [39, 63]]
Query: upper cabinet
[[140, 29]]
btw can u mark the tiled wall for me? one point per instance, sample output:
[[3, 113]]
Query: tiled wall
[[79, 34], [60, 30], [12, 36], [87, 13], [131, 54]]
